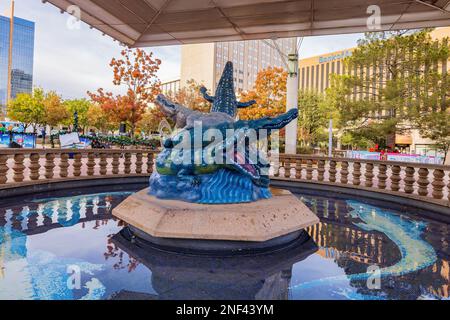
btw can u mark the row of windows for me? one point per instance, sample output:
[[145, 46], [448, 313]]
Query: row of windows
[[318, 77], [23, 52], [249, 57]]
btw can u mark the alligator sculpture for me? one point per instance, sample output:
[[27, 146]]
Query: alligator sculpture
[[238, 172]]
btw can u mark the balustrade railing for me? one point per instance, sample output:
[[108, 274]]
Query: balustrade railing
[[34, 165], [18, 166], [421, 180]]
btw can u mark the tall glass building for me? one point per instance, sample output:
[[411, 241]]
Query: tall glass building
[[23, 56]]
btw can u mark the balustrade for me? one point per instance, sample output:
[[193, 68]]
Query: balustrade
[[417, 180], [420, 180]]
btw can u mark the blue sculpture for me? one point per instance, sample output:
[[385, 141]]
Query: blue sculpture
[[238, 172]]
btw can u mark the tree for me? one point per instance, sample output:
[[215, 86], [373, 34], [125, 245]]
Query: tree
[[136, 70], [150, 121], [436, 126], [314, 116], [270, 95], [191, 97], [28, 108], [55, 112], [81, 106], [101, 120], [392, 81]]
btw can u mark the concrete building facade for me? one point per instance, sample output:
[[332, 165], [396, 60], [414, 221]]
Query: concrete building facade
[[315, 73], [205, 62]]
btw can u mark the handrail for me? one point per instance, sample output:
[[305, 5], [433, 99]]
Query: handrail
[[423, 181], [339, 159]]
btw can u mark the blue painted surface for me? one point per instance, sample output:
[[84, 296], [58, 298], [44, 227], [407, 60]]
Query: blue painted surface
[[416, 254], [40, 239], [223, 186]]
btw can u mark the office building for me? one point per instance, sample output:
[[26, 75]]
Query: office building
[[205, 62], [315, 74], [22, 58]]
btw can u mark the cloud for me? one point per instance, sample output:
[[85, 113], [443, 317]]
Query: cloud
[[72, 62]]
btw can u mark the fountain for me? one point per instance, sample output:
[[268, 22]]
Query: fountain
[[210, 191]]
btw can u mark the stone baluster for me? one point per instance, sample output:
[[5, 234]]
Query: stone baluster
[[438, 183], [115, 163], [18, 167], [382, 176], [64, 165], [321, 170], [139, 162], [103, 164], [409, 180], [49, 165], [344, 172], [275, 158], [309, 169], [287, 168], [34, 166], [448, 187], [423, 182], [368, 175], [77, 164], [127, 163], [333, 171], [298, 169], [356, 173], [395, 178], [91, 164], [150, 163], [3, 168]]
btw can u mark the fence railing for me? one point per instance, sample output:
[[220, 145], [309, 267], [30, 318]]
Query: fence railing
[[35, 165], [421, 180], [426, 181]]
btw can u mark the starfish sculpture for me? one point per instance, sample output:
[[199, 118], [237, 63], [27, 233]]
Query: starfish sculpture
[[189, 174]]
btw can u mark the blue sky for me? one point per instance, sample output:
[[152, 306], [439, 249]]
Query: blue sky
[[74, 61]]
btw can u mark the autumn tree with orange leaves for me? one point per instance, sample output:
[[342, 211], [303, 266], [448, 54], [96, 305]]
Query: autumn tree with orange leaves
[[270, 95], [136, 70], [190, 97]]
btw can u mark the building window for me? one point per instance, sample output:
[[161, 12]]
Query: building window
[[322, 80], [307, 77], [327, 75], [303, 78], [317, 77]]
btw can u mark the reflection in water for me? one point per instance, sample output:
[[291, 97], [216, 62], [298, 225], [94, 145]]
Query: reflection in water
[[180, 276], [356, 235], [40, 239]]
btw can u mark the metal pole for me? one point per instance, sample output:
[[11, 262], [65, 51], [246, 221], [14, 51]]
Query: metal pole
[[292, 87], [10, 57], [330, 139]]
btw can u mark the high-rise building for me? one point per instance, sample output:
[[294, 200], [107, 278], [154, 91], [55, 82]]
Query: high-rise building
[[205, 62], [22, 58], [315, 74]]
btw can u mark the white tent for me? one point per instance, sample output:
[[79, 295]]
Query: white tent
[[140, 23]]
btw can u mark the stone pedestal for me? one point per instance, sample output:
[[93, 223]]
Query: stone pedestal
[[257, 225]]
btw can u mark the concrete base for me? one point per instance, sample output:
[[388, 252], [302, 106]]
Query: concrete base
[[215, 227]]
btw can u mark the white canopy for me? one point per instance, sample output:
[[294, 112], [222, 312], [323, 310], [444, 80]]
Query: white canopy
[[140, 23]]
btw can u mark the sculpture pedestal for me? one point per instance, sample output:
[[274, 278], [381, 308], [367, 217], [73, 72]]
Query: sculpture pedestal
[[180, 225]]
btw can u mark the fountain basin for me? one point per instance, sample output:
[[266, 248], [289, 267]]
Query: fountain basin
[[260, 225]]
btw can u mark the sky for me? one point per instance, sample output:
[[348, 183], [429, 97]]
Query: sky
[[73, 61]]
